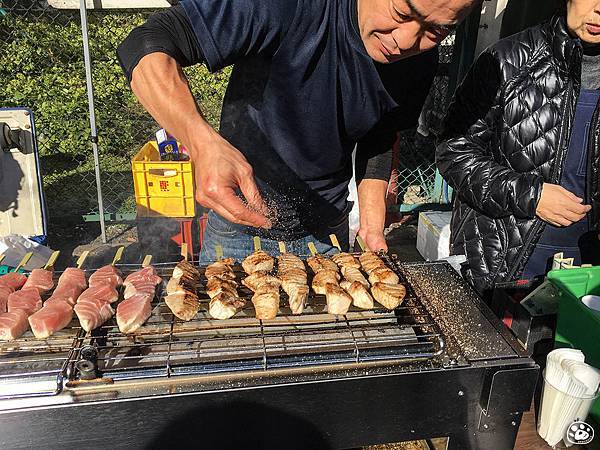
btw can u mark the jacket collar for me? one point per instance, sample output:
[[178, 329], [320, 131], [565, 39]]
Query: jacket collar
[[564, 47]]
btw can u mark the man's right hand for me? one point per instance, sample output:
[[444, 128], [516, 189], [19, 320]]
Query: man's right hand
[[220, 169], [560, 207]]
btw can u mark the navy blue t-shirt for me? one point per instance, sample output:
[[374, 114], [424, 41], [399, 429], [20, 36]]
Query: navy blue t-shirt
[[302, 94]]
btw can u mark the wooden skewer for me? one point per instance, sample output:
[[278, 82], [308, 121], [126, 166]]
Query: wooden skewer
[[24, 261], [312, 248], [147, 260], [219, 252], [52, 260], [335, 242], [282, 247], [184, 251], [361, 243], [82, 259], [118, 256], [2, 257], [257, 246]]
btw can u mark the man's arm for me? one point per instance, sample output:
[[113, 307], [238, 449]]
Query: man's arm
[[219, 167], [408, 82], [218, 34]]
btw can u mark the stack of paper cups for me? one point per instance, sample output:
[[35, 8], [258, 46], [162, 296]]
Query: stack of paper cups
[[570, 388]]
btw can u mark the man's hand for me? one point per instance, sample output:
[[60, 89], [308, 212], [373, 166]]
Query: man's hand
[[220, 169], [560, 207], [374, 239]]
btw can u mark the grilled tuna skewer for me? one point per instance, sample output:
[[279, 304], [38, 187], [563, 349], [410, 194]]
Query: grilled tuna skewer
[[221, 287], [318, 263], [258, 261], [225, 304], [182, 298], [346, 260], [370, 261], [353, 274], [359, 293], [266, 301], [324, 277], [292, 273], [389, 295], [338, 300]]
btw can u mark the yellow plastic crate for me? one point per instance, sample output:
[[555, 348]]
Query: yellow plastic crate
[[162, 188]]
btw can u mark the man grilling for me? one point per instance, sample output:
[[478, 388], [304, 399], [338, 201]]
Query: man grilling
[[311, 80]]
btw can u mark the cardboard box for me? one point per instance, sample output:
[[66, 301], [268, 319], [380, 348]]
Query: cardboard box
[[433, 235]]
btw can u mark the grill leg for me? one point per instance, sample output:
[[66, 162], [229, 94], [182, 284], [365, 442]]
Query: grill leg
[[503, 438]]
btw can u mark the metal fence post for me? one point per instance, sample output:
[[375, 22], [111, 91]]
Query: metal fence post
[[94, 131]]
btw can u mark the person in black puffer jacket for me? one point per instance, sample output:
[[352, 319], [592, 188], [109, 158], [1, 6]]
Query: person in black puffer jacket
[[521, 148]]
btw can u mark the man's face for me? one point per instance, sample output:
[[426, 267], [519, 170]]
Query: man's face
[[396, 29], [583, 19]]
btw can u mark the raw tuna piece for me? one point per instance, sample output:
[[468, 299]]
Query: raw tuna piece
[[92, 312], [13, 325], [106, 275], [133, 312], [73, 277], [27, 300], [50, 319], [64, 293], [105, 293], [5, 291], [40, 279], [13, 280], [147, 274], [143, 281]]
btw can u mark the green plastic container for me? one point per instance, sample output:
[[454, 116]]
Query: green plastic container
[[578, 326], [5, 269]]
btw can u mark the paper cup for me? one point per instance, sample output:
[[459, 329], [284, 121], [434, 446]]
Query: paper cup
[[559, 409]]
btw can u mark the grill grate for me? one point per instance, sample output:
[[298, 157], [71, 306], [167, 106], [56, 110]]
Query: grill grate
[[166, 346]]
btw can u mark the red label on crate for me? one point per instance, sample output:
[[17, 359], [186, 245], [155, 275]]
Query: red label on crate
[[164, 185]]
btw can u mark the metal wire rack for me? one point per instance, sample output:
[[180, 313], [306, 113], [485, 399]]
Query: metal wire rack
[[166, 346]]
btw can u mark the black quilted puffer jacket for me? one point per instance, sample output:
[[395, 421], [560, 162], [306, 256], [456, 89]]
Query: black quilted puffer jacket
[[507, 132]]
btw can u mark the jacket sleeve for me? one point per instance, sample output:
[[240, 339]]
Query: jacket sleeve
[[465, 155]]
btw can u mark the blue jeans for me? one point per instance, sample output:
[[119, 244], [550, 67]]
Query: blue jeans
[[238, 245]]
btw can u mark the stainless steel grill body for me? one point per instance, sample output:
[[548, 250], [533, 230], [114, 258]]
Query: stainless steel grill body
[[440, 365]]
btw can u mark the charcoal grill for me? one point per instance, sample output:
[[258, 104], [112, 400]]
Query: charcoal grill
[[439, 365]]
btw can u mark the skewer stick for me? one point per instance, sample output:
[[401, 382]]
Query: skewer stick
[[118, 256], [361, 243], [282, 247], [147, 260], [2, 257], [52, 260], [184, 251], [82, 259], [335, 242], [257, 246], [219, 252], [24, 261], [312, 248]]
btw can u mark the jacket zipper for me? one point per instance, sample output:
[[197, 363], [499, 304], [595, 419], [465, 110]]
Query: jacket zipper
[[553, 179]]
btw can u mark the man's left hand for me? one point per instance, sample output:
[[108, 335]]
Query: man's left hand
[[374, 239]]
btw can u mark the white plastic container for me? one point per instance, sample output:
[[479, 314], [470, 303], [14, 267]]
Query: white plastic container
[[433, 235]]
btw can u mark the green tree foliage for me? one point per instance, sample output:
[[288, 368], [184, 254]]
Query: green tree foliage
[[41, 54]]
